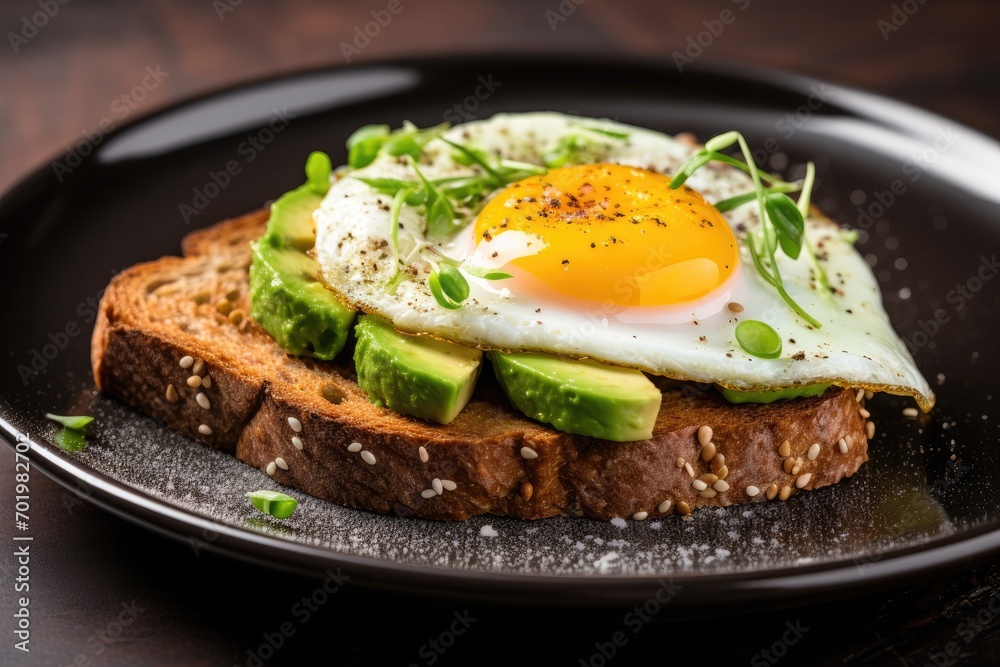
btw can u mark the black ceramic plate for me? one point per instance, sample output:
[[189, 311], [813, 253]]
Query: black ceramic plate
[[921, 188]]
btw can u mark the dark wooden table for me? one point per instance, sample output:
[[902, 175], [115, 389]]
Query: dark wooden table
[[105, 592]]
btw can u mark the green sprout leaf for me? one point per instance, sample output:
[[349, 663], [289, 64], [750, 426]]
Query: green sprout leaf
[[696, 162], [403, 144], [476, 157], [782, 221], [561, 153], [440, 212], [364, 144], [787, 221], [485, 273], [434, 282], [273, 503], [453, 283], [614, 134], [729, 204], [722, 141], [71, 440], [74, 422], [759, 339], [318, 170]]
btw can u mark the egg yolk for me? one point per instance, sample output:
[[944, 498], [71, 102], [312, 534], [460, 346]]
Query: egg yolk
[[615, 234]]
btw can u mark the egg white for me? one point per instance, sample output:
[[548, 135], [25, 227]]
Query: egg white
[[856, 346]]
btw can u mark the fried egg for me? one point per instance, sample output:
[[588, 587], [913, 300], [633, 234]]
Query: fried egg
[[607, 262]]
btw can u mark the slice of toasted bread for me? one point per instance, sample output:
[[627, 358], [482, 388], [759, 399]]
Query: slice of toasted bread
[[174, 340]]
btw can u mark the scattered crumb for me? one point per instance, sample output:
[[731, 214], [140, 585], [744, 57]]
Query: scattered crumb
[[619, 522], [488, 531]]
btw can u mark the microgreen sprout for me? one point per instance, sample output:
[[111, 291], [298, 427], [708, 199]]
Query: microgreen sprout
[[75, 422], [71, 437], [575, 148], [443, 199], [365, 144], [782, 220], [318, 170], [759, 339], [273, 503]]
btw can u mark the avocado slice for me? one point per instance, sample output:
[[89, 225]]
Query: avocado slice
[[419, 376], [736, 396], [580, 396], [287, 298]]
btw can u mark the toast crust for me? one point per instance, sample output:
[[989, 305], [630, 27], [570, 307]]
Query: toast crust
[[297, 418]]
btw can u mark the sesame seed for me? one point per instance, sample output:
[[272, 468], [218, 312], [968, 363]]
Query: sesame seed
[[708, 493], [870, 430], [803, 480], [423, 455], [861, 394], [194, 381], [203, 400], [910, 413], [640, 516], [788, 464], [843, 446], [708, 452], [680, 462], [718, 461], [354, 447], [448, 485], [437, 486], [281, 463], [849, 439], [297, 442], [206, 382], [722, 472], [205, 429], [864, 413], [295, 424], [528, 453], [172, 395], [689, 469], [199, 368], [796, 469], [224, 307], [271, 469], [869, 394], [368, 457], [786, 491], [709, 478], [664, 507], [772, 491], [186, 362], [699, 485], [785, 449], [428, 493], [752, 491], [721, 486], [527, 490], [705, 435], [813, 452], [683, 508], [735, 307]]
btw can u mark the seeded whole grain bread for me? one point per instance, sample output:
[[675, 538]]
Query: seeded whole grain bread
[[174, 340]]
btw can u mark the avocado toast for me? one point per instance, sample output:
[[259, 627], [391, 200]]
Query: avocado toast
[[310, 426], [530, 316]]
